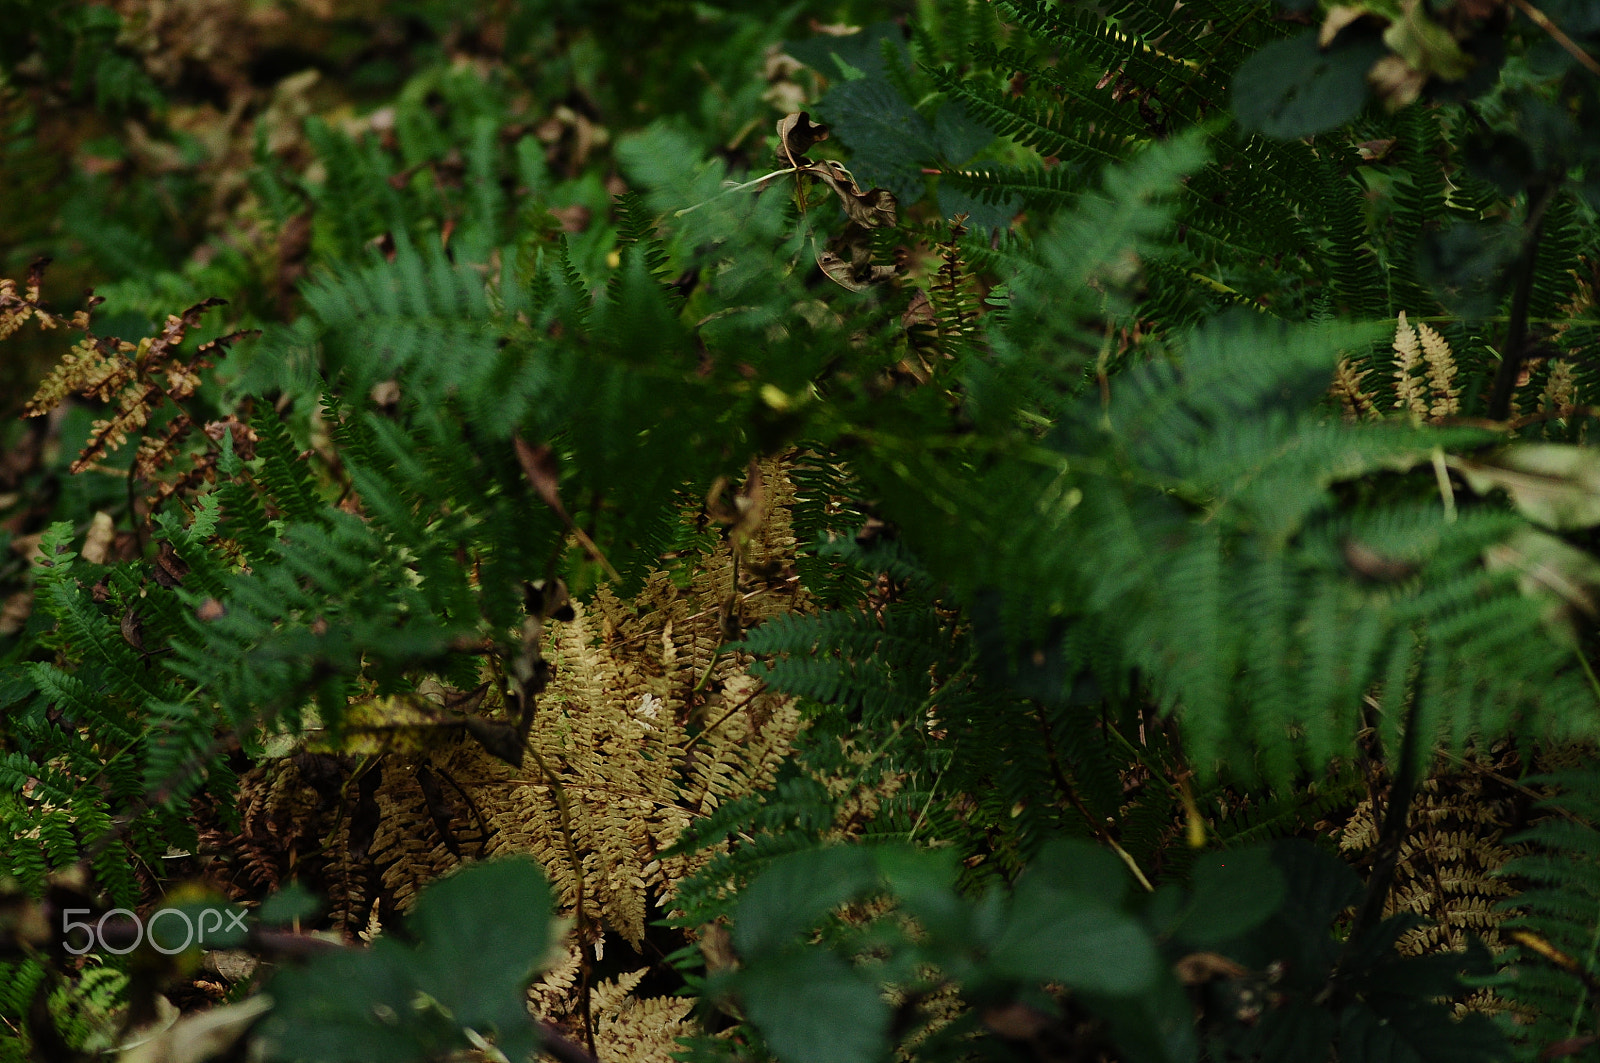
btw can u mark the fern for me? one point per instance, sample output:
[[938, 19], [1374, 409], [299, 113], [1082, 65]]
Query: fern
[[1551, 971]]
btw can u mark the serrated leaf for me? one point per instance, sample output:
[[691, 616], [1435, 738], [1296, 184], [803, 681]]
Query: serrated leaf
[[1292, 88], [794, 893], [1066, 926], [1233, 893], [483, 931], [813, 1007], [888, 140], [957, 135]]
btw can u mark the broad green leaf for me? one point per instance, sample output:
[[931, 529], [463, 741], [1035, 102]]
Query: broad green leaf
[[1234, 892], [813, 1007], [1065, 926], [292, 902], [354, 1006], [1077, 867], [924, 881], [794, 893], [957, 135], [1292, 88], [483, 932], [853, 55], [889, 141]]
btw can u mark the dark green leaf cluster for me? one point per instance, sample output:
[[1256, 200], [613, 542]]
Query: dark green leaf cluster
[[1251, 932]]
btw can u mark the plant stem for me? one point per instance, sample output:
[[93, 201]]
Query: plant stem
[[1505, 379], [1386, 858]]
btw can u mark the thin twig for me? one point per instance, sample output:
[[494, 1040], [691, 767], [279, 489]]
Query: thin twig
[[1386, 858], [1070, 792], [1540, 196], [1542, 20]]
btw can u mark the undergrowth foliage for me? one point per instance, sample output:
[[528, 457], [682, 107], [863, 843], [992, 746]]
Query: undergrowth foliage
[[935, 603]]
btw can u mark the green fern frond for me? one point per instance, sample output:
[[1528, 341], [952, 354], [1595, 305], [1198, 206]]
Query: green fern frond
[[1558, 910]]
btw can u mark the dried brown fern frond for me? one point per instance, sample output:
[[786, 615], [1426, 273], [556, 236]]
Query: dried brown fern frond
[[637, 751], [136, 379], [639, 1029], [642, 727], [1560, 393], [1357, 403], [16, 310], [1451, 856]]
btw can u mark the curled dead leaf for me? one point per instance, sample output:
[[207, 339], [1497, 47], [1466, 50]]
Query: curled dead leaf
[[1552, 484], [170, 569], [1562, 577], [499, 739], [796, 134], [544, 474]]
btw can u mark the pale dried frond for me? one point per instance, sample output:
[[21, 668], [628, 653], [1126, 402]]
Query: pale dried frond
[[1441, 373], [1450, 861], [1410, 391], [1357, 403], [639, 1029], [1560, 388], [643, 728]]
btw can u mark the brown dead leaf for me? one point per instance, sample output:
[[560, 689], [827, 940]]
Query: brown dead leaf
[[169, 567], [499, 739], [132, 628], [1369, 564], [544, 473], [1198, 968], [194, 1038], [573, 219], [741, 512], [848, 261], [244, 437], [14, 612], [1376, 150], [875, 208], [1395, 81], [539, 465], [1016, 1021], [97, 543], [796, 134], [1338, 18]]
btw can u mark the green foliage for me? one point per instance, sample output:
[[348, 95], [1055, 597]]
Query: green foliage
[[1551, 986], [78, 42], [1103, 576], [1076, 920], [479, 936]]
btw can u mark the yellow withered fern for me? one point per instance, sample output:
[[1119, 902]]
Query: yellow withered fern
[[643, 728]]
